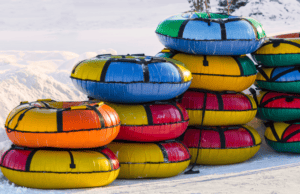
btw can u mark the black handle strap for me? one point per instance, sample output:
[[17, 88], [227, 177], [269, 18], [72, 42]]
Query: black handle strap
[[191, 171]]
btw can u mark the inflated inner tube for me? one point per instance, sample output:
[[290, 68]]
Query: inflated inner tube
[[151, 122], [280, 79], [59, 169], [278, 53], [151, 160], [210, 108], [216, 73], [214, 34], [130, 79], [283, 137], [278, 107], [221, 145], [46, 123]]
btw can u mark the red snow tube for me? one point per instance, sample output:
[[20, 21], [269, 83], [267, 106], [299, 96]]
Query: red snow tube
[[221, 145], [276, 106], [151, 122], [218, 108]]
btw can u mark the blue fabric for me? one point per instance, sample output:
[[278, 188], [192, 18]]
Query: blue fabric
[[292, 76], [200, 30], [163, 72], [124, 72], [239, 30], [234, 47], [130, 93]]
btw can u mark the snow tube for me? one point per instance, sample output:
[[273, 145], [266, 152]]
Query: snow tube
[[216, 73], [283, 137], [218, 108], [130, 79], [47, 123], [221, 145], [151, 122], [279, 52], [52, 169], [275, 106], [280, 79], [197, 33], [151, 160]]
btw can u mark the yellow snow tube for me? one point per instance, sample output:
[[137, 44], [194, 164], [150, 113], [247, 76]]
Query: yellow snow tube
[[222, 145], [51, 169], [216, 73], [151, 160]]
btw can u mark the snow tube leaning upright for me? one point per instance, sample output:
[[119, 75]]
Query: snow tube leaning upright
[[46, 123], [283, 137], [216, 73], [278, 53], [63, 169], [151, 160], [221, 145], [218, 108], [280, 79], [214, 34], [151, 122], [130, 79], [278, 107]]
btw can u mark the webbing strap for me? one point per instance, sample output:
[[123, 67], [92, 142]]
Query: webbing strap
[[101, 118], [191, 171]]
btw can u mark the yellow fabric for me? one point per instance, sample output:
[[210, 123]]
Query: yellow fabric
[[223, 72], [219, 118], [283, 48], [268, 72], [220, 65], [279, 128], [131, 171], [187, 76], [87, 161], [59, 181], [95, 69], [222, 83], [130, 114], [33, 119], [223, 156], [254, 133], [139, 155], [136, 152]]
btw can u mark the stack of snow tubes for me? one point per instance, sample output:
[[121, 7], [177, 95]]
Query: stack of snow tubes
[[213, 48], [279, 98], [139, 88], [59, 145]]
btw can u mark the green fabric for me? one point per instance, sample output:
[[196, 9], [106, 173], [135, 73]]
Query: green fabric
[[165, 55], [204, 15], [278, 114], [169, 27], [260, 31], [277, 60], [291, 147], [247, 65], [288, 87]]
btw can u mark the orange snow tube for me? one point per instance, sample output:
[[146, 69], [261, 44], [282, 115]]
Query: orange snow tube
[[46, 123]]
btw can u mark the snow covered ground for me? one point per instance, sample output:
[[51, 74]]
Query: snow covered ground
[[41, 40]]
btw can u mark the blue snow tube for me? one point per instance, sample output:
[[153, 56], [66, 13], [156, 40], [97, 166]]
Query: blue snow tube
[[214, 34], [131, 79]]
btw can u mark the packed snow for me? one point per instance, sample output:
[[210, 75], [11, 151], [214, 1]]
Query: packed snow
[[41, 41]]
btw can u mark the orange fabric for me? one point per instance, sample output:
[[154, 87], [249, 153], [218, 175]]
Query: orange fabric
[[81, 139]]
